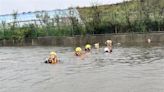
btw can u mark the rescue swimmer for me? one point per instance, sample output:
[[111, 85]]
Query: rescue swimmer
[[109, 46], [52, 58], [96, 45], [78, 51], [87, 48]]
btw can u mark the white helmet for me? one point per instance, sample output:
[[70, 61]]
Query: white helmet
[[106, 49]]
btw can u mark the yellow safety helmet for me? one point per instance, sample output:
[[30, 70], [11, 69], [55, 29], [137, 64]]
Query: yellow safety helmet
[[88, 46], [78, 49], [52, 53]]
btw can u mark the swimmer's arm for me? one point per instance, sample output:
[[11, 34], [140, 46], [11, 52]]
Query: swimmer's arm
[[56, 60], [83, 55]]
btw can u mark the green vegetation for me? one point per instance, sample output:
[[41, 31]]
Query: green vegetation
[[131, 16], [47, 27]]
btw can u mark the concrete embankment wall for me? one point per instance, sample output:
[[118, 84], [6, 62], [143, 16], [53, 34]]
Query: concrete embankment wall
[[81, 40]]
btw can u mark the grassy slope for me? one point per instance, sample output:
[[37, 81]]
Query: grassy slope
[[117, 11]]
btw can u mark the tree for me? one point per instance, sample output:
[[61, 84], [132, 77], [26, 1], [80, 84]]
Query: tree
[[93, 26], [15, 14]]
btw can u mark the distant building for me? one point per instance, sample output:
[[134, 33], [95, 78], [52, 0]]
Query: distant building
[[38, 16]]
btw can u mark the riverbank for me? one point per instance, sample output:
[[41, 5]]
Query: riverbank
[[124, 38]]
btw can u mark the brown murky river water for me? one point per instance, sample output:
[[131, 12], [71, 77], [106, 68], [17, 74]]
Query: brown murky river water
[[127, 69]]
